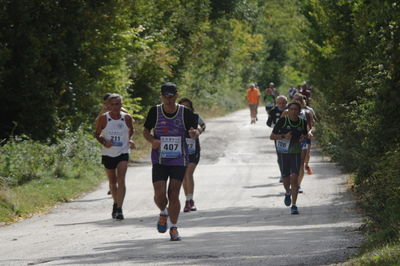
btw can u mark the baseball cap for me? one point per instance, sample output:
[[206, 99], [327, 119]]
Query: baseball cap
[[169, 89]]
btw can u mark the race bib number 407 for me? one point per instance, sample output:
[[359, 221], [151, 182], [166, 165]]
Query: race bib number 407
[[171, 147], [282, 145]]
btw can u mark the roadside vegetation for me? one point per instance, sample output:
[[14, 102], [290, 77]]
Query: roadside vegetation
[[353, 55]]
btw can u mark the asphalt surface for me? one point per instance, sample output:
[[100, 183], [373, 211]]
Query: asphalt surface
[[241, 218]]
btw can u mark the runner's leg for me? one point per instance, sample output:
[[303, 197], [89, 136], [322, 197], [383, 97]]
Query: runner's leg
[[160, 197], [294, 186], [173, 197], [112, 182], [121, 187], [188, 181]]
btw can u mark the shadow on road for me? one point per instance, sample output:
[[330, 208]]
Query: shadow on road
[[230, 230]]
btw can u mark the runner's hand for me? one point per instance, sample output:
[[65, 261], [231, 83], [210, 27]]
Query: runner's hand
[[132, 144], [155, 144], [108, 144], [193, 133]]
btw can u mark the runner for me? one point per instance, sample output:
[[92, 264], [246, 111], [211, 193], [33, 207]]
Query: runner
[[105, 108], [305, 90], [170, 124], [269, 100], [194, 157], [114, 130], [305, 145], [253, 97], [307, 157], [288, 133], [275, 91], [291, 92], [275, 115]]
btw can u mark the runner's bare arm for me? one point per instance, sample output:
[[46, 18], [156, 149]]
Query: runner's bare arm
[[129, 123], [155, 143], [101, 123], [201, 128]]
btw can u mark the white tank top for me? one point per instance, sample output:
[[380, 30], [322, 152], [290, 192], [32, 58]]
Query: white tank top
[[303, 114], [118, 132]]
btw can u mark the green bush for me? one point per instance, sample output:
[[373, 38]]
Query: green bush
[[381, 196], [24, 160]]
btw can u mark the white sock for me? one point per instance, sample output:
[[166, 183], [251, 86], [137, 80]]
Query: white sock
[[173, 225], [189, 196], [164, 212]]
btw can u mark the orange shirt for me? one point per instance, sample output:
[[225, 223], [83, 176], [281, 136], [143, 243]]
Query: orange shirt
[[253, 96]]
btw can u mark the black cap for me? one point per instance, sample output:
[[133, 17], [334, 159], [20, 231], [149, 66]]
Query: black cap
[[169, 89]]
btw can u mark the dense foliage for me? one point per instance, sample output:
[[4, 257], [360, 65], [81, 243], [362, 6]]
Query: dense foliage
[[353, 54], [57, 58]]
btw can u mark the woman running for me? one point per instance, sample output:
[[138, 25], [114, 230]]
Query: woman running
[[194, 157]]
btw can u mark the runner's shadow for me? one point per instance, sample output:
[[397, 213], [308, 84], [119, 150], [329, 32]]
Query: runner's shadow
[[308, 245], [270, 196], [265, 185], [91, 200]]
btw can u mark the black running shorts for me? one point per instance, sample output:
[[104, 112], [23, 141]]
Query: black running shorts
[[289, 163], [112, 162], [194, 158], [162, 172]]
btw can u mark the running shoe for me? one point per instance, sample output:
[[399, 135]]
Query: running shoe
[[187, 206], [114, 211], [294, 209], [173, 232], [309, 170], [300, 190], [288, 200], [162, 223], [192, 206], [118, 215]]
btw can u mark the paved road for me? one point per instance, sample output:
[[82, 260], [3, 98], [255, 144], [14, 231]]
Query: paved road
[[241, 218]]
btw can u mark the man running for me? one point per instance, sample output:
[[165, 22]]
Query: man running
[[194, 158], [114, 130], [170, 124], [106, 108], [288, 133], [307, 157], [275, 115], [269, 100], [253, 98], [275, 91], [306, 144]]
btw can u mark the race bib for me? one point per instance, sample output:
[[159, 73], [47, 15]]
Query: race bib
[[282, 145], [171, 147], [116, 141], [191, 143]]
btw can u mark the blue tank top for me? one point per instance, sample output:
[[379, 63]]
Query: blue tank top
[[172, 134]]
